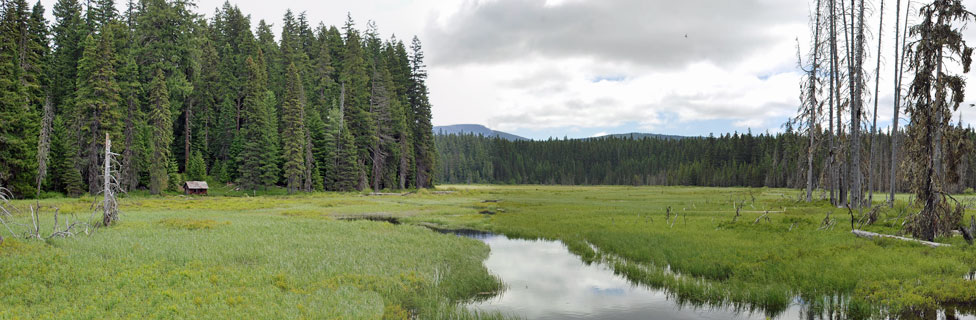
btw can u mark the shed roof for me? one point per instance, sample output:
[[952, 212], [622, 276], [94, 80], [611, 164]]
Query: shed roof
[[196, 185]]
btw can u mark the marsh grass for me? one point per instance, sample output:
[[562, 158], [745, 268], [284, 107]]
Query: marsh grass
[[278, 256], [760, 265], [223, 257]]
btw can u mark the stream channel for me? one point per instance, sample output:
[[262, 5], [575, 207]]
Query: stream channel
[[544, 280]]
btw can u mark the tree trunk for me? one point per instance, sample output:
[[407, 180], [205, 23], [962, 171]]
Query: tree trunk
[[813, 105], [834, 100], [874, 123], [856, 174], [107, 213], [899, 66]]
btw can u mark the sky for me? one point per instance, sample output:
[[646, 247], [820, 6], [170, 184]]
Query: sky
[[581, 68]]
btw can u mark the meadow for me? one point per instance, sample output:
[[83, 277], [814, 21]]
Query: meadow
[[230, 255]]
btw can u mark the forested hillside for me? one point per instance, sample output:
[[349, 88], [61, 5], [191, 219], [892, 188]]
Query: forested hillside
[[727, 160], [185, 96]]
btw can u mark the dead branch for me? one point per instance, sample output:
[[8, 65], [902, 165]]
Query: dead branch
[[765, 215], [872, 235]]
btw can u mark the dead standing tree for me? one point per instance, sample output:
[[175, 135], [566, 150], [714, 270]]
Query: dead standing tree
[[857, 99], [810, 107], [110, 186], [899, 68], [934, 149], [874, 123]]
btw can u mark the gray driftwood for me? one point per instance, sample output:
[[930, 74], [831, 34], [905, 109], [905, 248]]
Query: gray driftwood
[[872, 235]]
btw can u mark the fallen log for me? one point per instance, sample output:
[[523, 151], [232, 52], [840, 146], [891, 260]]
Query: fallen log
[[872, 235]]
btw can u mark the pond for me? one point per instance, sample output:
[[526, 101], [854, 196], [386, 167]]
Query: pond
[[544, 280]]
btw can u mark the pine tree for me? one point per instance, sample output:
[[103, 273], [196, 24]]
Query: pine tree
[[328, 147], [293, 130], [257, 163], [403, 117], [347, 175], [383, 102], [423, 131], [355, 78], [935, 150], [315, 137], [97, 102], [161, 122], [19, 132], [64, 174], [34, 53], [69, 32], [197, 169], [207, 102], [272, 59], [102, 13]]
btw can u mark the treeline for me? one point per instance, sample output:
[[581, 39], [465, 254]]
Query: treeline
[[724, 161], [186, 97]]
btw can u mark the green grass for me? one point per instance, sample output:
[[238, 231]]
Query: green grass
[[242, 258], [277, 256], [742, 263]]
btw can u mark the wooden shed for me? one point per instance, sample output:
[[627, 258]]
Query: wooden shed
[[195, 187]]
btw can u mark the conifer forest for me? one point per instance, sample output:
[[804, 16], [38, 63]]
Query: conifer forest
[[186, 97]]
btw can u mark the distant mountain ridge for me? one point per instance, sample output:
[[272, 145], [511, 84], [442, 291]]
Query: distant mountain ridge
[[639, 135], [475, 129]]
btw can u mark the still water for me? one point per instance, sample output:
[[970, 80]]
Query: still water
[[545, 281]]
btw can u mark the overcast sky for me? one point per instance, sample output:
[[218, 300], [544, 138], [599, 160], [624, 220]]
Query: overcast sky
[[579, 68]]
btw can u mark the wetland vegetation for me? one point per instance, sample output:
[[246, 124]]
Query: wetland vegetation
[[293, 256]]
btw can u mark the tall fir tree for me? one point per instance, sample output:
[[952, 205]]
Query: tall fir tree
[[64, 175], [293, 130], [355, 79], [19, 132], [197, 169], [97, 102], [423, 133], [161, 123], [347, 174], [69, 33], [133, 116], [257, 163], [34, 56]]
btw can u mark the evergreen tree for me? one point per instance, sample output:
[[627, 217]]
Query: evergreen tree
[[101, 13], [207, 103], [293, 130], [97, 102], [34, 53], [256, 165], [19, 132], [324, 91], [355, 79], [162, 133], [425, 152], [69, 32], [935, 148], [347, 175], [272, 59], [64, 174], [315, 137], [133, 118], [197, 169]]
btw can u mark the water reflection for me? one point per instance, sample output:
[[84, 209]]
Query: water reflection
[[544, 280]]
